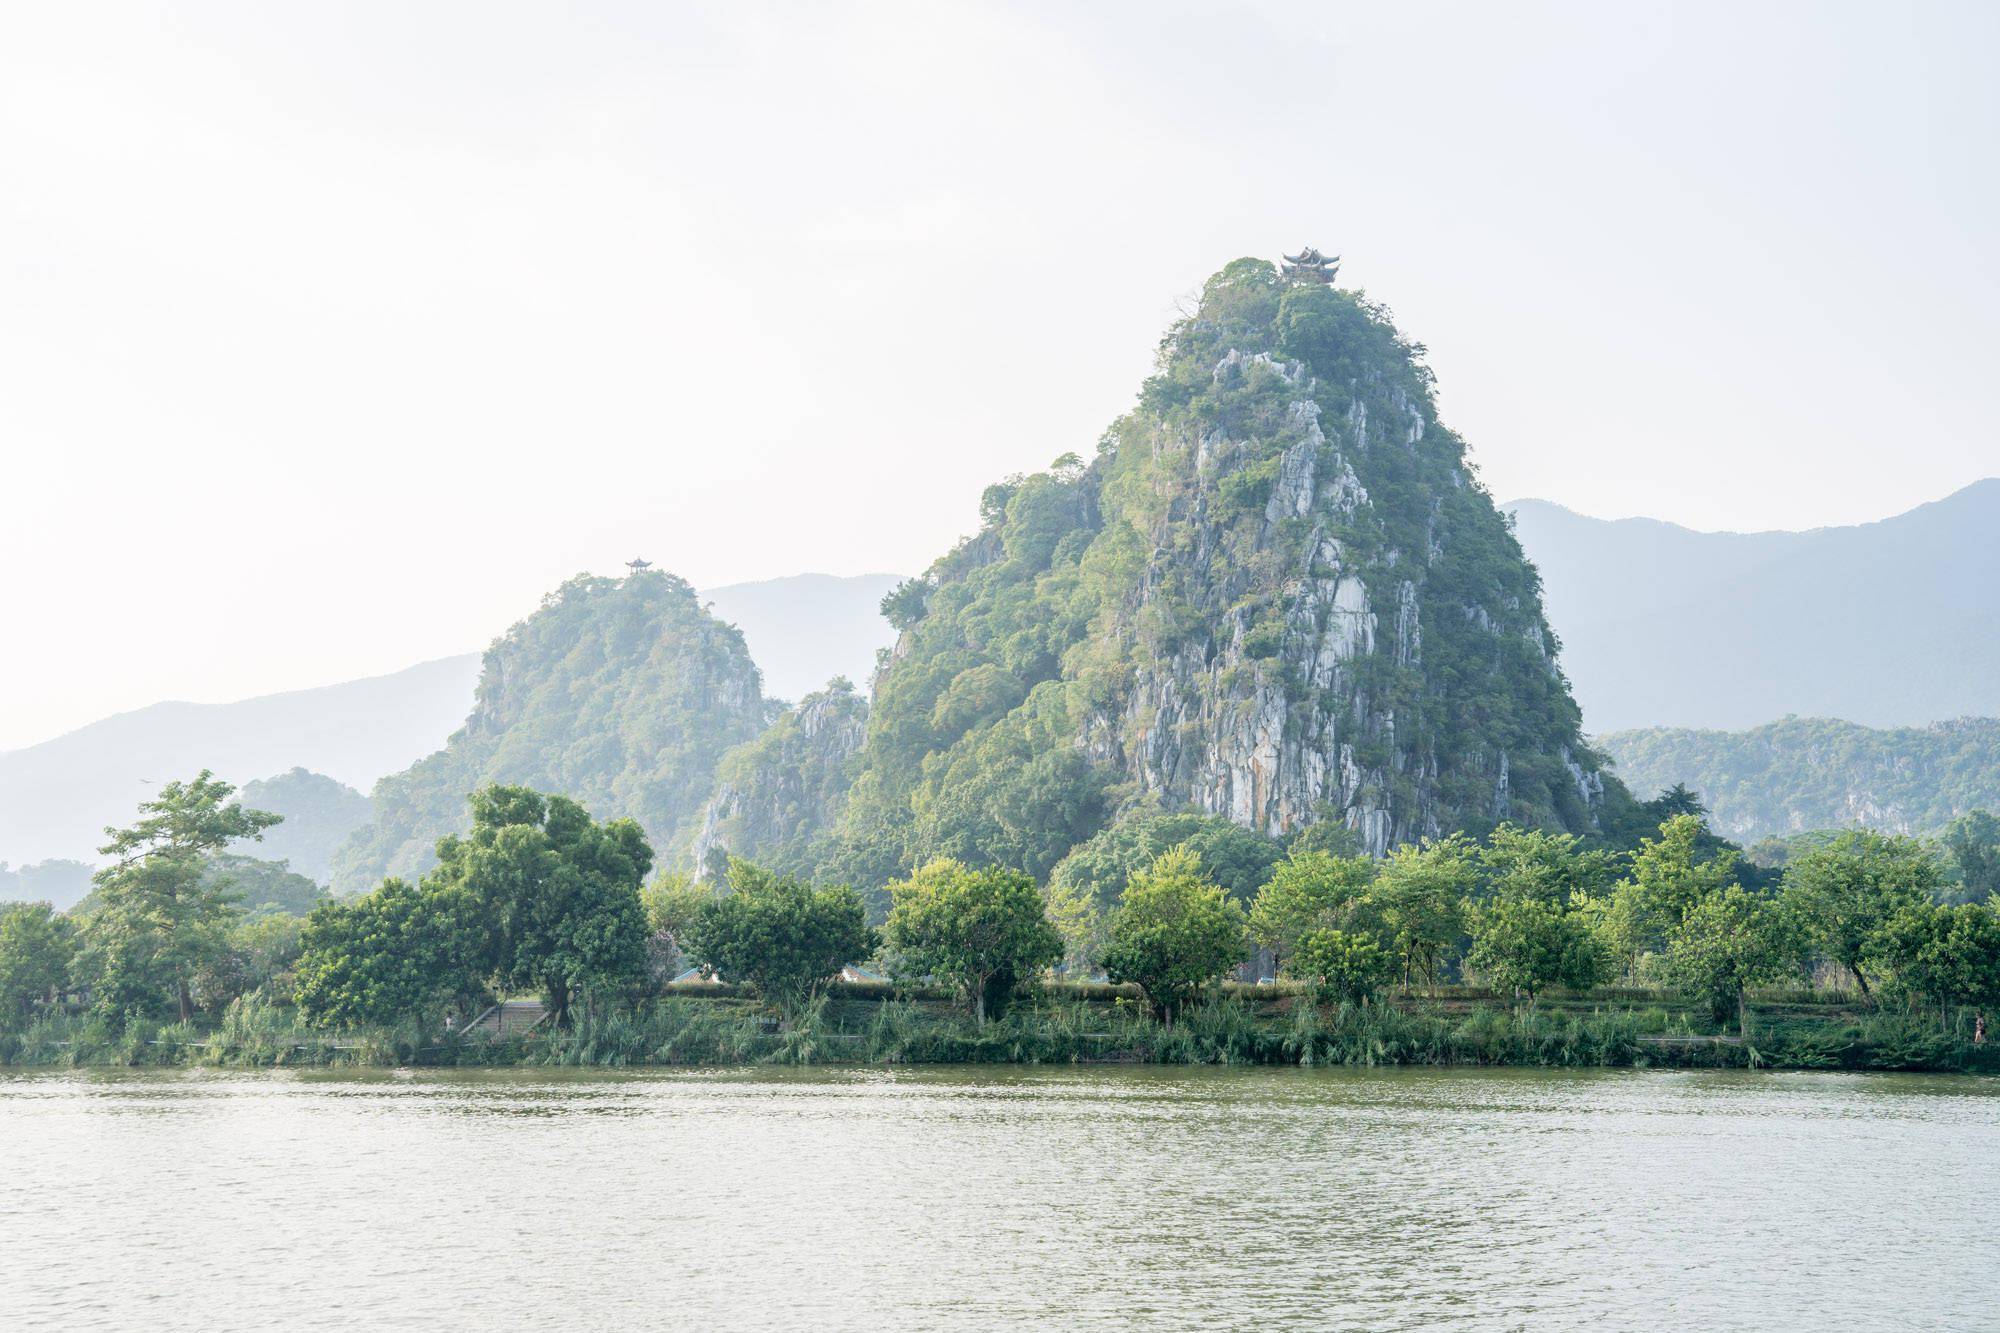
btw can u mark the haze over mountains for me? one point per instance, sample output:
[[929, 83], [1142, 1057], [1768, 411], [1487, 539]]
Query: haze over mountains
[[1894, 623], [56, 797]]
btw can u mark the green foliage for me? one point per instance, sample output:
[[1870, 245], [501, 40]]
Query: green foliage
[[1726, 942], [556, 893], [782, 935], [1972, 844], [903, 605], [260, 949], [1085, 886], [1099, 644], [1669, 876], [1340, 964], [1420, 891], [1813, 773], [258, 883], [623, 694], [778, 794], [1312, 892], [1529, 943], [671, 901], [162, 916], [1845, 893], [381, 958], [1548, 867], [1175, 933], [983, 932], [1945, 955], [535, 894], [37, 947]]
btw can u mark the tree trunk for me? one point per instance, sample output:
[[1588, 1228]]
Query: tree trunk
[[979, 1003], [1860, 981], [187, 1001], [1743, 1014]]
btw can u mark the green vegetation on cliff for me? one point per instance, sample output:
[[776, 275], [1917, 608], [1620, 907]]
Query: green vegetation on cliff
[[1277, 595], [619, 693]]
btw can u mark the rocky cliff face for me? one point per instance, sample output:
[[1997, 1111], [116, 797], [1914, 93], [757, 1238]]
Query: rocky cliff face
[[775, 795], [1277, 594], [622, 693], [1376, 655]]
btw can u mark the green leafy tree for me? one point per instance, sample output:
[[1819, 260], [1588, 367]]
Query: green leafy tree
[[1085, 886], [1528, 944], [1175, 933], [1421, 890], [1313, 891], [1972, 843], [258, 951], [1946, 955], [783, 936], [558, 891], [1670, 875], [1844, 894], [1726, 943], [1340, 964], [386, 956], [670, 903], [1550, 867], [983, 932], [161, 915], [37, 946], [259, 883]]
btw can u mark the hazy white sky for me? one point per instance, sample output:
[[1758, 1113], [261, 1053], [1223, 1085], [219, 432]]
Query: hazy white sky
[[331, 336]]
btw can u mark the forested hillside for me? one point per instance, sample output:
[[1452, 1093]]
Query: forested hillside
[[320, 815], [621, 693], [1276, 594], [1806, 773]]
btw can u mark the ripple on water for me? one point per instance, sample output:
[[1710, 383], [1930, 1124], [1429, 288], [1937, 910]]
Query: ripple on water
[[941, 1198]]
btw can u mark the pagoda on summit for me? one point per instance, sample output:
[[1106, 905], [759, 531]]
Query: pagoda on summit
[[1309, 265]]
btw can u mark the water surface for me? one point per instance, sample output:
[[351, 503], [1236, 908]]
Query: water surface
[[949, 1198]]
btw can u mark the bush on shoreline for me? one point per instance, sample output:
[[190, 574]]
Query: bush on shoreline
[[865, 1024]]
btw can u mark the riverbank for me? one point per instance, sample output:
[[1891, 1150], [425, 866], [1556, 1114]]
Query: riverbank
[[1247, 1025]]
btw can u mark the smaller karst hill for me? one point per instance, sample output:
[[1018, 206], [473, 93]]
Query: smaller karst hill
[[622, 693]]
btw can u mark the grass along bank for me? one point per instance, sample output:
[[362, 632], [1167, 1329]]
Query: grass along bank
[[1065, 1024]]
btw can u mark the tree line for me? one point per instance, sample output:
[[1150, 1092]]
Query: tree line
[[539, 896]]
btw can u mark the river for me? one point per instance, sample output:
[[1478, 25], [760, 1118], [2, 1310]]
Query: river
[[980, 1199]]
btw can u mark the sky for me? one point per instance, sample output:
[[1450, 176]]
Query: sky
[[333, 336]]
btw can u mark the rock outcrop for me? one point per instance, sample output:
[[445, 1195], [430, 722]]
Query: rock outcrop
[[776, 794], [1277, 594]]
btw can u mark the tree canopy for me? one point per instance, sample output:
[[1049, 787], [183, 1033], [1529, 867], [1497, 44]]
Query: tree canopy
[[786, 937], [983, 932], [1175, 933], [162, 913]]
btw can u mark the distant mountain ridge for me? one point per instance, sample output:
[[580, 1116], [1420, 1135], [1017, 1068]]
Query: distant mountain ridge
[[1805, 773], [1893, 623], [57, 797]]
